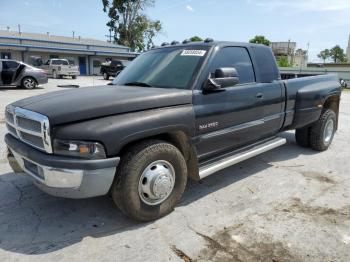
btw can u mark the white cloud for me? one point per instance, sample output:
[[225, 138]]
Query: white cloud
[[189, 8], [304, 5]]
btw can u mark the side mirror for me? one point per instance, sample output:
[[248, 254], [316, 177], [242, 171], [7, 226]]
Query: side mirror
[[223, 77]]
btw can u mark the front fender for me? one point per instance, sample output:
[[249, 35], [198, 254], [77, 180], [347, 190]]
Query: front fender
[[114, 132]]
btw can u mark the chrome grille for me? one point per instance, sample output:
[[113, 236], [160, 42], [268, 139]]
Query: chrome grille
[[30, 127], [9, 117], [31, 139], [28, 124], [11, 130]]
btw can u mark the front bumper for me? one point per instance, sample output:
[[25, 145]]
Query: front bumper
[[62, 176]]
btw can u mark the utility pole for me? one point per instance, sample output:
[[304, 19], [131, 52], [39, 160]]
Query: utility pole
[[307, 53], [73, 34], [109, 36], [19, 29]]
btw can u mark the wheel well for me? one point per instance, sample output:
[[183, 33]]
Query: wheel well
[[332, 103], [180, 140]]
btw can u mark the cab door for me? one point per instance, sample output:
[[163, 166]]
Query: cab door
[[8, 73], [227, 118]]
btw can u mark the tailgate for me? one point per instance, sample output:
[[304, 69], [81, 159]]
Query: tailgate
[[69, 70]]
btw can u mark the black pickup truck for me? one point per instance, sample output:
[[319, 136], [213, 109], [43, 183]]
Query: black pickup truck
[[112, 68], [176, 112]]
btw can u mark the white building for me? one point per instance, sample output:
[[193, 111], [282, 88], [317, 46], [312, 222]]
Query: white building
[[296, 57], [87, 53], [300, 58]]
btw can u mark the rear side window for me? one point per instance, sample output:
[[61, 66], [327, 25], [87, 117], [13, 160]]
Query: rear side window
[[9, 65], [59, 62], [237, 57]]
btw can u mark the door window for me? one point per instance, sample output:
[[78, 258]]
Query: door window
[[9, 64], [237, 57]]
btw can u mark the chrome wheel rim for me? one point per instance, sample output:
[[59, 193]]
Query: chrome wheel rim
[[328, 131], [29, 83], [156, 182]]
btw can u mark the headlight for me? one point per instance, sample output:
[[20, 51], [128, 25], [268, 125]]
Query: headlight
[[89, 150]]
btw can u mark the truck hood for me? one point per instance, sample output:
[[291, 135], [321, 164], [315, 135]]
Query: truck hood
[[93, 102]]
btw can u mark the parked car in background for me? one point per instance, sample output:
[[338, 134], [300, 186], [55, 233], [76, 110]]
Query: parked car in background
[[112, 68], [14, 73], [57, 68]]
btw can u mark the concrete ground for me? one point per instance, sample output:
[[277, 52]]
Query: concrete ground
[[290, 204]]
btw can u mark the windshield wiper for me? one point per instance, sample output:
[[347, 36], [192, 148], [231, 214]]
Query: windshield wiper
[[137, 84]]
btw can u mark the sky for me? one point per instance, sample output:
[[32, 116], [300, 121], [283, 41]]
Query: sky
[[321, 23]]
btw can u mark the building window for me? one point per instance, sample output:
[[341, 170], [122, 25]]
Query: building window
[[5, 55], [96, 63], [36, 60]]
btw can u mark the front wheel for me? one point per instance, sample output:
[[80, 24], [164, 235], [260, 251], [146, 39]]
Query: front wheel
[[150, 181], [322, 132], [29, 83]]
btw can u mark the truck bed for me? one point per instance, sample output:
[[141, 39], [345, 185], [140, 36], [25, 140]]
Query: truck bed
[[305, 97]]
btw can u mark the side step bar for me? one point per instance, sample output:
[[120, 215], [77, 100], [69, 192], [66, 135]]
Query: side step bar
[[234, 158]]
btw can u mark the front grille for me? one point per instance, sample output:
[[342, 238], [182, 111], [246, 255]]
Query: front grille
[[11, 130], [31, 139], [30, 127], [9, 117], [28, 124]]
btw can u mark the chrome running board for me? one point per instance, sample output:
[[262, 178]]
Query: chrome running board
[[239, 156]]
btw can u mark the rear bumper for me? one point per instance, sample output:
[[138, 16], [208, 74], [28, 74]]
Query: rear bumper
[[62, 176]]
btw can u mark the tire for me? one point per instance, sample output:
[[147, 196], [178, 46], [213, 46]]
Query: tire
[[29, 83], [322, 132], [302, 136], [105, 76], [54, 74], [138, 171]]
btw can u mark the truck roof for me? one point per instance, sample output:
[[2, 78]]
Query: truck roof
[[214, 43]]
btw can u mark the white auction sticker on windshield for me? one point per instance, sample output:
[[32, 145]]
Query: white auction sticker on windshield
[[193, 52]]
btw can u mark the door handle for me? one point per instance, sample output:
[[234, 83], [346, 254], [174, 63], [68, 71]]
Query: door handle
[[260, 96]]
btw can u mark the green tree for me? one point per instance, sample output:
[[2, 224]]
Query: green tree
[[196, 39], [130, 26], [283, 62], [337, 54], [324, 55], [260, 39]]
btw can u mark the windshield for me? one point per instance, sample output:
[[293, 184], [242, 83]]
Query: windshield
[[165, 68]]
